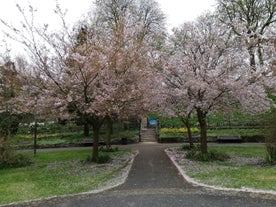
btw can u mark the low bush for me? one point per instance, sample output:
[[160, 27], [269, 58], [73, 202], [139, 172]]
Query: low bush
[[108, 149], [15, 161], [8, 158], [102, 159], [178, 130], [186, 147], [212, 155], [271, 154]]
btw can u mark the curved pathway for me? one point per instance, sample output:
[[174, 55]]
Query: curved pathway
[[154, 181]]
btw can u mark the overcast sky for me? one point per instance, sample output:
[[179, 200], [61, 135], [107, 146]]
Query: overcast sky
[[176, 11]]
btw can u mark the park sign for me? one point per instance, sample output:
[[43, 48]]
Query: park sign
[[153, 122]]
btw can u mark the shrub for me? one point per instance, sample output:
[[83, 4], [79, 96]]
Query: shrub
[[103, 158], [178, 130], [186, 147], [108, 149], [9, 123], [14, 161], [8, 158], [271, 154], [212, 155]]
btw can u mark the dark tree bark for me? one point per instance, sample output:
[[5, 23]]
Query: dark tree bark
[[203, 130], [95, 154], [86, 131], [109, 132], [186, 121], [96, 125]]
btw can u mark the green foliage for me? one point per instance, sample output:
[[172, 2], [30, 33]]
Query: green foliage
[[9, 123], [170, 122], [108, 149], [178, 130], [65, 133], [102, 159], [234, 120], [271, 154], [186, 147], [18, 160], [242, 132], [212, 155], [9, 159]]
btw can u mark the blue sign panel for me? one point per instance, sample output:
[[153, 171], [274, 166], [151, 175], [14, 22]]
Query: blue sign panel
[[153, 122]]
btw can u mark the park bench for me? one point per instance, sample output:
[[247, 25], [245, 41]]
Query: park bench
[[229, 138], [86, 142]]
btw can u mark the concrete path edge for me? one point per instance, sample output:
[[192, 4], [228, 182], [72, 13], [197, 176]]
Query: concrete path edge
[[197, 183]]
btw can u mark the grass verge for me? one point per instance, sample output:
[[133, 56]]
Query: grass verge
[[58, 173], [245, 168]]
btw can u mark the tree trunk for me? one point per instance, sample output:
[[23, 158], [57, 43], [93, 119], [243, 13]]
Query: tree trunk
[[186, 122], [86, 131], [95, 154], [260, 55], [190, 138], [35, 137], [109, 132], [203, 130], [252, 58], [96, 124]]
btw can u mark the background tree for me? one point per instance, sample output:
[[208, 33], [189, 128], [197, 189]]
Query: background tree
[[11, 85], [251, 21]]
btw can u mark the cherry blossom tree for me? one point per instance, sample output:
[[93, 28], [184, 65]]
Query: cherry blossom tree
[[134, 54], [94, 71], [253, 24], [173, 105], [207, 72]]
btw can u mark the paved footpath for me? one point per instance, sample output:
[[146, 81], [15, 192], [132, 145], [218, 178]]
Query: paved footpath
[[154, 182]]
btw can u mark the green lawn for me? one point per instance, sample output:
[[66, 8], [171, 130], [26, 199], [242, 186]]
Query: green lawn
[[242, 132], [57, 173], [245, 169]]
